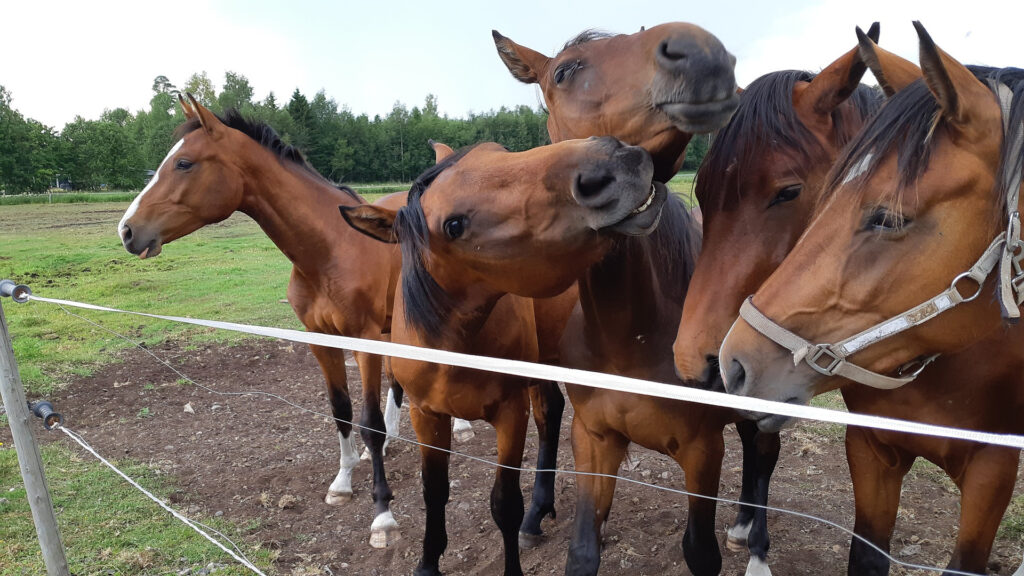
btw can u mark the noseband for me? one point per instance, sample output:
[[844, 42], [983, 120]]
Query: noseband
[[1006, 251]]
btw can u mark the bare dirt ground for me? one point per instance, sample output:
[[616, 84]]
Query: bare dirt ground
[[264, 464]]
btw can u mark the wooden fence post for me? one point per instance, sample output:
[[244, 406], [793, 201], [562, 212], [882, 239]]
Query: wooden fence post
[[29, 458]]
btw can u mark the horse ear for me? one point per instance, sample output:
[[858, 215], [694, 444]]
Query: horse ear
[[208, 120], [953, 85], [374, 221], [189, 113], [441, 150], [892, 72], [833, 85], [525, 65]]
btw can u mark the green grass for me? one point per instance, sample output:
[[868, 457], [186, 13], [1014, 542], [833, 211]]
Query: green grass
[[67, 198], [1012, 526], [107, 526], [229, 271]]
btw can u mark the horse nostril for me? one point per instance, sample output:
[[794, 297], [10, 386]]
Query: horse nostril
[[672, 50], [589, 186], [737, 376], [126, 233]]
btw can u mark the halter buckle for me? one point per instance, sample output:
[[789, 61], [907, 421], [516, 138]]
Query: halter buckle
[[833, 359], [953, 287], [914, 368]]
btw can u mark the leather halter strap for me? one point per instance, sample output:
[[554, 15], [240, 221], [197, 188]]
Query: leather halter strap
[[1006, 251]]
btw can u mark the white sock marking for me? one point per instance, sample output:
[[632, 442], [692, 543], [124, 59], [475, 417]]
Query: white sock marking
[[384, 521], [460, 425], [392, 414], [349, 458], [1020, 571], [740, 531], [758, 567], [138, 199]]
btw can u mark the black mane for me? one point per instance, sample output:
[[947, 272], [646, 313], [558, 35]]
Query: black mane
[[588, 35], [427, 305], [766, 118], [907, 123], [267, 137]]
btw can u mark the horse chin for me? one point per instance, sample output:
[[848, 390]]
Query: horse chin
[[697, 118], [151, 251], [643, 219], [772, 423]]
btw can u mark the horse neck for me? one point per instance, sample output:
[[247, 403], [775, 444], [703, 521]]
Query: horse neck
[[621, 297], [297, 211]]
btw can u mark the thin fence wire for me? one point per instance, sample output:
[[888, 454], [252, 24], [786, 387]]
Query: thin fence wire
[[241, 558], [794, 513]]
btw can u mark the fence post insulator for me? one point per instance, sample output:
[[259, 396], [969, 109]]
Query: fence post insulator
[[17, 292], [44, 409]]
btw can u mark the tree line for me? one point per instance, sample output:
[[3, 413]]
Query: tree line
[[120, 149]]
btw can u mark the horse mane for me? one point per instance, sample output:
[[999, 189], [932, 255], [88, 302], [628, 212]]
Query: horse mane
[[427, 304], [677, 243], [907, 123], [588, 35], [267, 137], [766, 117]]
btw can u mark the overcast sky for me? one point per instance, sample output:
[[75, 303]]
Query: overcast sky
[[62, 59]]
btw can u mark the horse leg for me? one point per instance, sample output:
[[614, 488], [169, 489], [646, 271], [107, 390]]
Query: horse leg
[[877, 471], [332, 364], [507, 495], [767, 447], [435, 430], [594, 454], [986, 486], [548, 404], [701, 461], [736, 535], [384, 529]]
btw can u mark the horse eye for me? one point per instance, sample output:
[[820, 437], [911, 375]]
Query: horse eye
[[884, 220], [566, 70], [454, 228], [183, 164], [559, 74], [786, 194]]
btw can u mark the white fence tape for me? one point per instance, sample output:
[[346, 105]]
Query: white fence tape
[[581, 377]]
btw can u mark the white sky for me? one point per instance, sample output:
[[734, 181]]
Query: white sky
[[66, 58]]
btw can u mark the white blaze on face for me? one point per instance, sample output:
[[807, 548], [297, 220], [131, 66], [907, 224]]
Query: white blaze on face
[[138, 199]]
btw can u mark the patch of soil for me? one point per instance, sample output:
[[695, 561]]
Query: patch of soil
[[260, 462]]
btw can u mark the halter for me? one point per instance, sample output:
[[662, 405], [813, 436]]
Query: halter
[[1006, 251]]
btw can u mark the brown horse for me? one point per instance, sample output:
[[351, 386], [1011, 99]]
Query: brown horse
[[631, 300], [464, 236], [878, 460], [339, 279]]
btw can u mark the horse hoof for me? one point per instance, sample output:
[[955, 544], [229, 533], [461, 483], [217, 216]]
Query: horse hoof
[[733, 544], [337, 498], [530, 541], [384, 531]]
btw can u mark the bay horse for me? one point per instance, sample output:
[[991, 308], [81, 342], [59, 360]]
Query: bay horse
[[632, 300], [460, 235], [878, 460], [341, 282]]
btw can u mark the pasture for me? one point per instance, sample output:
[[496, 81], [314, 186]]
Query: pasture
[[256, 469]]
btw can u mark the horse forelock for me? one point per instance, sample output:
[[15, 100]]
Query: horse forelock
[[427, 304], [765, 117], [906, 124]]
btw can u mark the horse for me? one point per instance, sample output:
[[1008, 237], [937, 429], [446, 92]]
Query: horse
[[460, 235], [631, 301], [878, 460]]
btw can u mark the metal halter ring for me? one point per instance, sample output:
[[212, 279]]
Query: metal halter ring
[[823, 350], [914, 368], [957, 280]]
